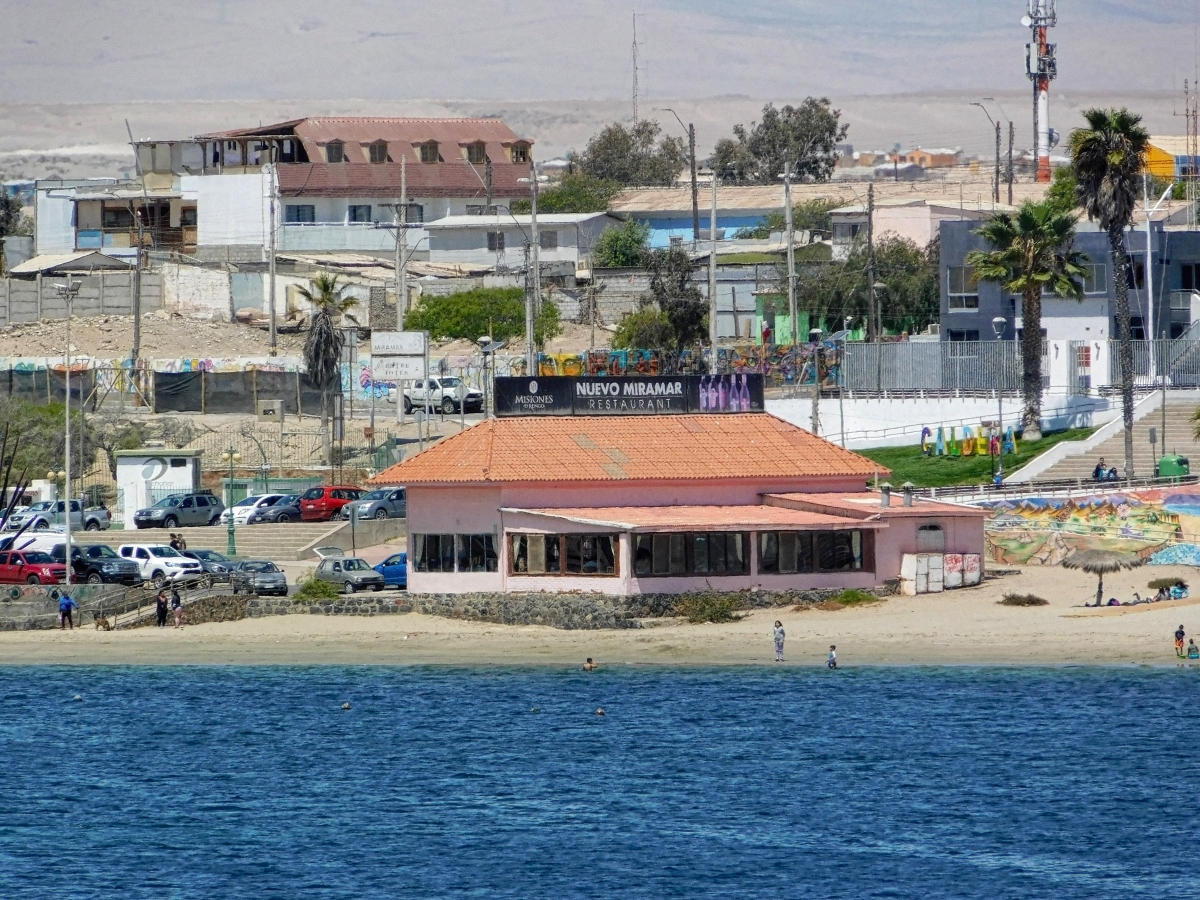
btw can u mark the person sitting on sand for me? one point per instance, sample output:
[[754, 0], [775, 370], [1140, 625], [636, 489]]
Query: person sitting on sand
[[590, 666], [1164, 593], [1193, 652], [1179, 636]]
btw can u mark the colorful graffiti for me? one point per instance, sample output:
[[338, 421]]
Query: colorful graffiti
[[982, 441], [1157, 524]]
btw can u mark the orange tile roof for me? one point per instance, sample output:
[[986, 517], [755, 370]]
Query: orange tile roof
[[701, 518], [635, 448], [867, 504]]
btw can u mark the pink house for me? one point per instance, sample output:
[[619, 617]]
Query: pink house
[[658, 504]]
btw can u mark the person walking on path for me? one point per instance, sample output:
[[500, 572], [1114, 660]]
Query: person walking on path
[[779, 635], [160, 609], [177, 606], [1179, 636], [65, 605]]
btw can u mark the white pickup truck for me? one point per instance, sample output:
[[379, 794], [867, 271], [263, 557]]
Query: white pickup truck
[[48, 514], [159, 564], [441, 393]]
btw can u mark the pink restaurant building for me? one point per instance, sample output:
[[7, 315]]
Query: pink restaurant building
[[658, 504]]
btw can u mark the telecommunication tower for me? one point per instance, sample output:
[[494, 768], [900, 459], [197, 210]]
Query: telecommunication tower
[[1042, 67]]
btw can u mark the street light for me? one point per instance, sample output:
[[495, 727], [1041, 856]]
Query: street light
[[533, 299], [998, 325], [996, 125], [691, 133], [232, 457], [67, 292]]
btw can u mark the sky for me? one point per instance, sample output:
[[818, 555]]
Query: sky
[[60, 51]]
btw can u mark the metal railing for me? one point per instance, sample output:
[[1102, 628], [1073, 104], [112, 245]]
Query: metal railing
[[983, 366]]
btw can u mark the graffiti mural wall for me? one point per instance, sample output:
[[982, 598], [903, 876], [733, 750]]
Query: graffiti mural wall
[[1161, 525]]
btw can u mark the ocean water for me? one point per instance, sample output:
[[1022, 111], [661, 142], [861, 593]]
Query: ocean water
[[197, 782]]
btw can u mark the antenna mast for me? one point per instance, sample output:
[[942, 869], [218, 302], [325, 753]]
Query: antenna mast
[[635, 71], [1042, 68]]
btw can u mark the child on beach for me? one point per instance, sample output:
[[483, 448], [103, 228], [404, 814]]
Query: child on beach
[[832, 662], [177, 606], [779, 635], [1179, 636], [1193, 650]]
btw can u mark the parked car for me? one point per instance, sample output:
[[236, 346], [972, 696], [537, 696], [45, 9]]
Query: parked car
[[394, 570], [202, 508], [258, 576], [215, 566], [350, 573], [241, 511], [320, 504], [46, 514], [441, 393], [285, 509], [158, 563], [97, 564], [30, 567], [388, 503]]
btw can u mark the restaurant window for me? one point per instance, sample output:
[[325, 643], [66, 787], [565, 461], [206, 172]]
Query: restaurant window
[[360, 212], [687, 553], [495, 241], [564, 554], [429, 152], [335, 152], [379, 152], [476, 553], [792, 552], [962, 292], [477, 153], [433, 552]]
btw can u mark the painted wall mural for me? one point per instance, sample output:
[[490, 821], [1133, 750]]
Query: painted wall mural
[[1160, 525]]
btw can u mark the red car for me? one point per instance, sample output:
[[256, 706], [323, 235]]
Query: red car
[[320, 504], [30, 567]]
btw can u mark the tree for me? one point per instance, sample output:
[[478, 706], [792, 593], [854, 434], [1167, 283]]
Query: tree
[[499, 312], [806, 136], [634, 156], [1107, 160], [1031, 253], [622, 246], [646, 328], [11, 221], [323, 346], [577, 192], [1063, 194], [677, 297], [42, 443]]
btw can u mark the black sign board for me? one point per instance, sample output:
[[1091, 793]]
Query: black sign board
[[618, 396]]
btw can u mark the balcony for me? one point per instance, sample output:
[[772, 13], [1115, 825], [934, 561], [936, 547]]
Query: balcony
[[326, 236]]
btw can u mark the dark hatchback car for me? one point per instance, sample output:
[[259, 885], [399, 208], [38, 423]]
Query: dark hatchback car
[[285, 509], [258, 576]]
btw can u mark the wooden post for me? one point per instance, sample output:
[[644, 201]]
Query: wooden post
[[101, 292], [299, 406], [202, 397], [254, 387]]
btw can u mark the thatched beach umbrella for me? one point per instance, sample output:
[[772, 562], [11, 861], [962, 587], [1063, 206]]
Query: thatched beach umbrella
[[1100, 562]]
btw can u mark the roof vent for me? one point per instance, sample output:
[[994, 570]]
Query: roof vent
[[908, 487], [885, 494]]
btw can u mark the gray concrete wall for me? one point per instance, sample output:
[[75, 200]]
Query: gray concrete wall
[[101, 294]]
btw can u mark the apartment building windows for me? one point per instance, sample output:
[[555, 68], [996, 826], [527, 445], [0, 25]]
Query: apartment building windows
[[299, 214], [379, 152], [962, 292], [335, 152], [429, 152], [495, 241], [360, 212], [477, 153], [548, 240]]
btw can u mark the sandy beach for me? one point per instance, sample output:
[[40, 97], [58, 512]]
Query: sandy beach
[[961, 627]]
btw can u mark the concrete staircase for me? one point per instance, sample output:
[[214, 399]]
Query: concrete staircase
[[1179, 439], [266, 541]]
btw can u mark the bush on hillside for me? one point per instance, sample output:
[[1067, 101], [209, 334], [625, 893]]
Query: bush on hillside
[[499, 312]]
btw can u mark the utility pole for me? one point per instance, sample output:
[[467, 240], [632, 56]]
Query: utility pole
[[68, 292], [791, 253], [997, 163], [1012, 134], [695, 191], [141, 238], [533, 297], [274, 349], [1042, 68], [875, 318], [712, 271], [401, 279], [635, 71]]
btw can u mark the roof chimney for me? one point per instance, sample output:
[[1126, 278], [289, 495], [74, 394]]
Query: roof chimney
[[885, 494], [908, 487]]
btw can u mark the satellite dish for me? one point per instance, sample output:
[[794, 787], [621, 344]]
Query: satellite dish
[[1026, 21]]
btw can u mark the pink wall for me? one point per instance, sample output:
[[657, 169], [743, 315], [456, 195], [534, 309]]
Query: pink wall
[[964, 534]]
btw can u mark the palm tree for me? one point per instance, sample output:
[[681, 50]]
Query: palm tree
[[1032, 252], [323, 346], [1107, 158]]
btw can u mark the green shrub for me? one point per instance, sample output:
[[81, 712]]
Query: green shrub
[[499, 312], [645, 328], [708, 607], [853, 597], [313, 590], [622, 246], [1023, 600]]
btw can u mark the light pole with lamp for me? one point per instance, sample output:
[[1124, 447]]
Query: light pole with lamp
[[691, 133], [998, 325], [68, 292], [996, 125], [232, 457], [533, 298]]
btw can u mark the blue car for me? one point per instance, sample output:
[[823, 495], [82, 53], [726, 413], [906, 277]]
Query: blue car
[[394, 570]]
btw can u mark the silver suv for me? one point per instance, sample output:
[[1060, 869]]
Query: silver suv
[[203, 508]]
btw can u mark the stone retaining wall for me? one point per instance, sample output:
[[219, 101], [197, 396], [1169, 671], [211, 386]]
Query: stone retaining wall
[[567, 611]]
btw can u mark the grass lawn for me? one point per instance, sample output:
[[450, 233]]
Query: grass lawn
[[908, 463]]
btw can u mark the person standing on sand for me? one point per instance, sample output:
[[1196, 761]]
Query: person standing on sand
[[1179, 636], [779, 635], [65, 605], [832, 661], [160, 609], [177, 606]]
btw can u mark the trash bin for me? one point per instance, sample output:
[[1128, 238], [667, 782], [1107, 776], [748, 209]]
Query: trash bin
[[1172, 467]]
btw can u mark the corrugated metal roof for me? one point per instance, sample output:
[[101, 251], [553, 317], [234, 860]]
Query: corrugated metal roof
[[500, 221], [69, 262]]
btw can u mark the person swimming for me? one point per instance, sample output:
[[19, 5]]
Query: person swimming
[[590, 666]]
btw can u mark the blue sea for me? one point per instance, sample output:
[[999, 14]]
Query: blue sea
[[196, 782]]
